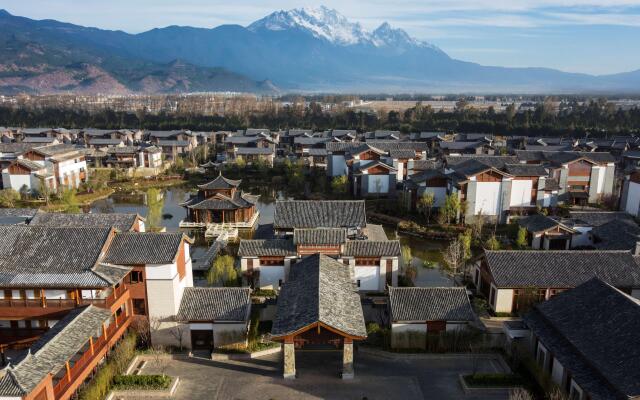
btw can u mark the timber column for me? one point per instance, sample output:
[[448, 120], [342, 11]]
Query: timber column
[[289, 359], [347, 359]]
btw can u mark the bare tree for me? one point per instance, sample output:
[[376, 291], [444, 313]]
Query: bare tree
[[160, 359], [520, 394], [178, 331], [454, 256], [140, 326]]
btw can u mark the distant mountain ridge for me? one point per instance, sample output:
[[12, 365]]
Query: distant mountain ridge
[[308, 49]]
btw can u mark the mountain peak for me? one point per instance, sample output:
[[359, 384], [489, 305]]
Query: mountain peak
[[321, 22]]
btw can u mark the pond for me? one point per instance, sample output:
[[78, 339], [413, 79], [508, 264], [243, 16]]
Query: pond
[[424, 250], [161, 207]]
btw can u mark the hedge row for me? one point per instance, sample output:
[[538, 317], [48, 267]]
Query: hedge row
[[494, 380], [145, 382]]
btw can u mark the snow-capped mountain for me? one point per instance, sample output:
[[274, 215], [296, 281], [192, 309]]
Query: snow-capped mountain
[[330, 25], [305, 49]]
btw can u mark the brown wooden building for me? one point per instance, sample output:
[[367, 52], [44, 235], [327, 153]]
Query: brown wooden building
[[220, 201]]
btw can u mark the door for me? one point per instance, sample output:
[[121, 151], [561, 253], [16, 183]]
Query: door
[[202, 340]]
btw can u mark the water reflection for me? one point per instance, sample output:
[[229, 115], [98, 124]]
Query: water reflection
[[161, 207], [424, 250]]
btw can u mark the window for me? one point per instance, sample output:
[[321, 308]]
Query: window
[[136, 277], [279, 282], [492, 297], [358, 282], [139, 307]]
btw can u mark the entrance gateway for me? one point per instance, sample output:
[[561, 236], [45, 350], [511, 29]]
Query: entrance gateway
[[319, 306]]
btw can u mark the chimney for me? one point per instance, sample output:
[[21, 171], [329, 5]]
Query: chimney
[[636, 250]]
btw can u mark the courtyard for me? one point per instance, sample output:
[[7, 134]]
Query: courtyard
[[377, 376]]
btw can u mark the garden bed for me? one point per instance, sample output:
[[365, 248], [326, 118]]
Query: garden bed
[[142, 382]]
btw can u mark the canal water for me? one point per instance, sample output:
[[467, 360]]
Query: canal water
[[161, 207]]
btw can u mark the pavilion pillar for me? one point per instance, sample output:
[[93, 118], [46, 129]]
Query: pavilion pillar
[[347, 359], [289, 359]]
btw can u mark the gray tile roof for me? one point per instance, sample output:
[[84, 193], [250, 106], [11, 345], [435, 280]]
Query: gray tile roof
[[525, 170], [49, 353], [18, 212], [220, 183], [129, 248], [319, 236], [291, 214], [215, 304], [254, 150], [267, 247], [319, 289], [620, 234], [221, 202], [492, 161], [562, 268], [315, 152], [177, 143], [122, 222], [51, 257], [204, 263], [539, 223], [597, 218], [402, 153], [371, 248], [593, 331], [31, 165], [430, 304]]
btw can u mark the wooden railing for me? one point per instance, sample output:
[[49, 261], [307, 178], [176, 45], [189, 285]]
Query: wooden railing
[[95, 346], [108, 301], [40, 302]]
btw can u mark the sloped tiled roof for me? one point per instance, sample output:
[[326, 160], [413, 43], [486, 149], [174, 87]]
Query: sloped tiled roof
[[539, 223], [430, 304], [220, 183], [319, 214], [266, 247], [320, 236], [49, 354], [561, 268], [371, 248], [525, 170], [122, 222], [319, 289], [215, 304], [597, 218], [618, 234], [593, 332], [51, 257], [129, 248]]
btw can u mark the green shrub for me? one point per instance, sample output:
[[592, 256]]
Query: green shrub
[[117, 363], [494, 380], [145, 382]]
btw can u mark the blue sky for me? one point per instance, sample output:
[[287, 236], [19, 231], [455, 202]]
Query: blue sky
[[588, 36]]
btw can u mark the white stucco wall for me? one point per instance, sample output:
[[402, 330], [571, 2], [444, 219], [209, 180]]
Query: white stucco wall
[[583, 238], [520, 193], [270, 275], [338, 165], [15, 182], [633, 199], [439, 194], [600, 183], [487, 198], [504, 300], [557, 371], [368, 277], [377, 183]]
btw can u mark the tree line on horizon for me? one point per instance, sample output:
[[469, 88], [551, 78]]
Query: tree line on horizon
[[597, 118]]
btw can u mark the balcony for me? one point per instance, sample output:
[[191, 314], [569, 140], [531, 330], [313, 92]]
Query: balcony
[[29, 308], [79, 367]]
